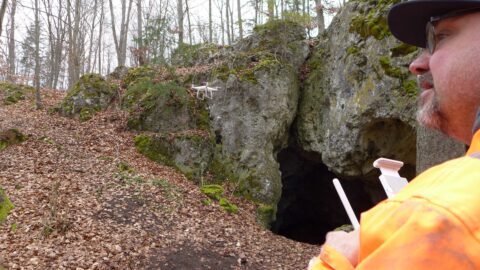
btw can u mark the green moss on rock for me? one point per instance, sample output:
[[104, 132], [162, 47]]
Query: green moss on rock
[[13, 93], [410, 87], [154, 149], [86, 113], [214, 192], [265, 214], [395, 72], [372, 20], [228, 206], [11, 136], [190, 154], [5, 206], [90, 94], [164, 107], [402, 49], [138, 74], [273, 44], [190, 55]]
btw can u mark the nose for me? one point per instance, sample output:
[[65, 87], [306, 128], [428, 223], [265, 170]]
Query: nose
[[421, 64]]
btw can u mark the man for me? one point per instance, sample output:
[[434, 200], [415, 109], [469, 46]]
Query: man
[[434, 222]]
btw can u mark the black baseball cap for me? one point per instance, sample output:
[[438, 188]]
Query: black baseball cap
[[407, 20]]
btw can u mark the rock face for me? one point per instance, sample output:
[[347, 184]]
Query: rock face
[[181, 123], [163, 107], [91, 93], [359, 99], [189, 153], [257, 103], [119, 73]]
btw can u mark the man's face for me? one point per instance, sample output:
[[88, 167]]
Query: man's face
[[450, 100]]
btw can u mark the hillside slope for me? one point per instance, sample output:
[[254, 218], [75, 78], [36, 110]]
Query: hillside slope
[[85, 199]]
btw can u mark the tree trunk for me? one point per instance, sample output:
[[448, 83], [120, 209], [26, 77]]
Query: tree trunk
[[210, 27], [180, 21], [38, 101], [73, 43], [240, 22], [256, 12], [271, 8], [282, 8], [92, 32], [189, 23], [3, 8], [227, 7], [58, 51], [121, 41], [11, 43], [231, 22], [320, 18], [141, 49], [100, 37]]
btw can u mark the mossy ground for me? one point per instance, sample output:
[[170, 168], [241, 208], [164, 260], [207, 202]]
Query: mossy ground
[[215, 192], [11, 136], [13, 93], [5, 206]]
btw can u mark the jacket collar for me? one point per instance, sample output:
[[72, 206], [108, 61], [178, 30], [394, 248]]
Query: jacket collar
[[476, 124], [475, 144]]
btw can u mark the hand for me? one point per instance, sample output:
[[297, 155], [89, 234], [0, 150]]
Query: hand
[[345, 243]]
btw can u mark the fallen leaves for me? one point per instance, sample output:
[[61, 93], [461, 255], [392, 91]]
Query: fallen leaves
[[85, 199]]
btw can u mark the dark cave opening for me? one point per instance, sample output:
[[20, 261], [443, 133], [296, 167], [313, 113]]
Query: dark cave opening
[[309, 206]]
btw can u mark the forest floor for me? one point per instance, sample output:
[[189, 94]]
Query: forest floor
[[86, 199]]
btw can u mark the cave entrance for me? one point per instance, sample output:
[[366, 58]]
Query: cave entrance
[[309, 206]]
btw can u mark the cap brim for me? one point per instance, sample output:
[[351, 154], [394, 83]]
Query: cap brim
[[407, 20]]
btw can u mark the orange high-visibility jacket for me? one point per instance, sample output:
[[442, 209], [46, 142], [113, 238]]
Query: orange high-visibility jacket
[[433, 223]]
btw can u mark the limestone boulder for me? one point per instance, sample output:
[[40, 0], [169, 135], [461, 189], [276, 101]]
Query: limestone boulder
[[359, 100], [256, 105], [90, 94]]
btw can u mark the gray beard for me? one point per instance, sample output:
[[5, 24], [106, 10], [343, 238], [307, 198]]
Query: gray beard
[[430, 115]]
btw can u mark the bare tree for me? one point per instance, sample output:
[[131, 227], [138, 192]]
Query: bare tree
[[38, 101], [73, 42], [271, 8], [100, 36], [320, 17], [90, 67], [240, 22], [219, 4], [121, 41], [3, 8], [231, 21], [180, 21], [11, 43], [210, 24], [189, 23], [140, 49], [227, 15]]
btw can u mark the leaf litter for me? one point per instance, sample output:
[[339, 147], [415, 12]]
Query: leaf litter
[[86, 199]]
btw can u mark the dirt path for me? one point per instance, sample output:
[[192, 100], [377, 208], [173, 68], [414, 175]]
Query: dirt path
[[85, 199]]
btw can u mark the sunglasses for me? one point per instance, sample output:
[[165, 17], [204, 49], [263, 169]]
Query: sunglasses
[[430, 31]]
